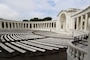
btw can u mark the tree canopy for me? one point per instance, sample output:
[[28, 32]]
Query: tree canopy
[[25, 20], [39, 19], [47, 18], [44, 19]]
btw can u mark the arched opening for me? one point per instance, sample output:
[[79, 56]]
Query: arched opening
[[63, 21]]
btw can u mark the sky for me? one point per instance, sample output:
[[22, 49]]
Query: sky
[[27, 9]]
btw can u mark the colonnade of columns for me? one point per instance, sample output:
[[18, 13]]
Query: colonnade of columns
[[27, 25], [44, 25], [82, 22]]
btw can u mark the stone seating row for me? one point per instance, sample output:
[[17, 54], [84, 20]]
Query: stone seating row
[[31, 46], [60, 42], [17, 37], [22, 43]]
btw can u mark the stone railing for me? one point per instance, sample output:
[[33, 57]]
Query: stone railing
[[74, 52]]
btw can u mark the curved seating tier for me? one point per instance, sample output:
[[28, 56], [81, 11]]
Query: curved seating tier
[[14, 43], [18, 37]]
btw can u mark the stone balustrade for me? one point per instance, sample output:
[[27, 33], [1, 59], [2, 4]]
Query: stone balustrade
[[75, 52]]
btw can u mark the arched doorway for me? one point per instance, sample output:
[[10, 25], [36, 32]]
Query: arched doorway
[[63, 21]]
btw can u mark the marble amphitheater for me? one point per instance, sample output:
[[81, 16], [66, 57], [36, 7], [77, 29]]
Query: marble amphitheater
[[66, 38]]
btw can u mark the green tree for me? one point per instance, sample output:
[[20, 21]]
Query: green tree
[[34, 19], [38, 19], [25, 20], [47, 18]]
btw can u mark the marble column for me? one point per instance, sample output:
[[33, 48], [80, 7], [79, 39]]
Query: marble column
[[32, 25], [0, 24], [42, 25], [54, 24], [8, 25], [50, 25], [45, 25], [11, 25], [77, 23], [28, 25], [18, 25], [86, 19], [37, 25], [4, 25], [15, 25], [24, 25], [81, 23]]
